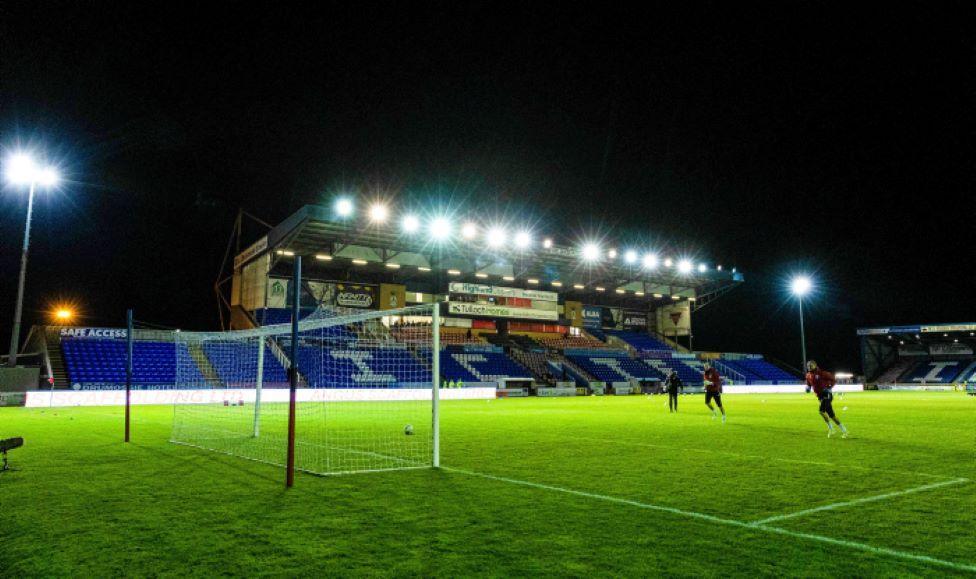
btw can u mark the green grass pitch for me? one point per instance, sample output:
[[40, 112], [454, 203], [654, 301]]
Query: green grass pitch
[[595, 486]]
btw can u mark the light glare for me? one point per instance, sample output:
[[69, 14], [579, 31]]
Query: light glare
[[496, 237], [590, 252], [378, 213], [344, 207], [440, 228], [523, 240], [801, 285], [630, 257], [469, 230], [650, 261], [410, 224], [20, 169], [684, 266], [48, 177]]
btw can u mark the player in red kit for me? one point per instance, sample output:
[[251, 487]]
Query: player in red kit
[[713, 390], [822, 383]]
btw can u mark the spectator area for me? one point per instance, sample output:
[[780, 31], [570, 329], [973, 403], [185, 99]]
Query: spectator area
[[614, 366], [97, 360], [640, 341], [934, 372]]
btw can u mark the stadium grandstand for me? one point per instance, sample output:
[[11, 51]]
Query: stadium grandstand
[[922, 356], [519, 311]]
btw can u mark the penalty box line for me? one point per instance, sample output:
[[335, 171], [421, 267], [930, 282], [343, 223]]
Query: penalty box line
[[727, 522], [861, 501]]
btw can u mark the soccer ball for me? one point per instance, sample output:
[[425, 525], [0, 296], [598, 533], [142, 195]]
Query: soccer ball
[[408, 429]]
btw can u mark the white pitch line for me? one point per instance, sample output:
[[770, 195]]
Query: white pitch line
[[860, 501], [728, 522]]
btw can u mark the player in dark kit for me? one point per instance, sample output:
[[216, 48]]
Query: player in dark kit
[[672, 384], [713, 390], [822, 383]]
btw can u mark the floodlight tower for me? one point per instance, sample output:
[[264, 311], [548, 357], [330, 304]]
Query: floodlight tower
[[801, 286], [20, 169]]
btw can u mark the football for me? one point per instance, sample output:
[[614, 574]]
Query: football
[[408, 429]]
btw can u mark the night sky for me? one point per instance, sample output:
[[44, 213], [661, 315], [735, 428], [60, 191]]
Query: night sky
[[774, 138]]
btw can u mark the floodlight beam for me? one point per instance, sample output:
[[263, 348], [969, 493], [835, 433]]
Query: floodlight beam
[[590, 252]]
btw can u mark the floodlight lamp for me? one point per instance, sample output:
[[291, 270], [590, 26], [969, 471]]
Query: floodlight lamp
[[495, 237], [612, 254], [650, 261], [20, 169], [410, 224], [523, 240], [668, 262], [684, 266], [702, 268], [378, 213], [547, 243], [343, 207], [801, 285], [590, 252], [630, 256], [440, 228]]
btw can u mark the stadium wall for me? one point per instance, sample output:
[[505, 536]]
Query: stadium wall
[[59, 398], [62, 398]]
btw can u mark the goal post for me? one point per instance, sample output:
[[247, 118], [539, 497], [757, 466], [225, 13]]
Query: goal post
[[258, 384], [366, 396], [435, 363]]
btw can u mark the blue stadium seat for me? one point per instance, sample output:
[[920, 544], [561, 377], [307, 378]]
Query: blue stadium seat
[[452, 370], [102, 361], [689, 370], [611, 366], [490, 366], [934, 371], [640, 341], [758, 370], [351, 367], [237, 363]]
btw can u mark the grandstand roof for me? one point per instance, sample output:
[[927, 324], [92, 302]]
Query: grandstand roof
[[384, 253], [936, 330]]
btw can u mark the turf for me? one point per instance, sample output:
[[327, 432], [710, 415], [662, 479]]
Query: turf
[[586, 486]]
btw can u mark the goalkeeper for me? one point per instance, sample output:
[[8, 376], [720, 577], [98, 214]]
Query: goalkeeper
[[672, 384], [713, 390], [822, 383]]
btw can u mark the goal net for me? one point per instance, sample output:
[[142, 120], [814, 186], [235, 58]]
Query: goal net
[[365, 398]]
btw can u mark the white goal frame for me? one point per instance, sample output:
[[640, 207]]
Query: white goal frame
[[211, 393]]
